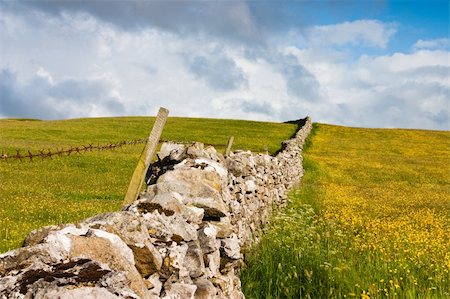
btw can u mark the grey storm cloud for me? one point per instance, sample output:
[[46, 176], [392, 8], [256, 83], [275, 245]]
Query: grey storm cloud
[[219, 71], [229, 19], [38, 98], [246, 21]]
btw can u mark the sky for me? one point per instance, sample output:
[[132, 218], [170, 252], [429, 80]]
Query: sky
[[355, 63]]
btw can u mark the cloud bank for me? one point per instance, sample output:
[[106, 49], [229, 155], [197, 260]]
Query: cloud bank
[[76, 59]]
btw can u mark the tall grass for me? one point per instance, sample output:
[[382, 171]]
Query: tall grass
[[68, 189], [371, 220]]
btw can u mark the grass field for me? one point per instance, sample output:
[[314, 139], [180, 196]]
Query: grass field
[[71, 188], [371, 220]]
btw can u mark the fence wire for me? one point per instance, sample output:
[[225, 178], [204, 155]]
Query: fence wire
[[28, 155]]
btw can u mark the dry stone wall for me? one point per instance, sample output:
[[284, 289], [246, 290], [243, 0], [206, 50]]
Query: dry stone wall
[[183, 238]]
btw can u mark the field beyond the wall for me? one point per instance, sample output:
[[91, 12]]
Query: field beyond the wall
[[370, 220], [70, 188]]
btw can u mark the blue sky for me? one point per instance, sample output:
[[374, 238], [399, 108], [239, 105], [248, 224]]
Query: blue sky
[[356, 63]]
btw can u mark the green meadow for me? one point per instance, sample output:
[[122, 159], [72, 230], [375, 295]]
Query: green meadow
[[370, 220], [69, 188]]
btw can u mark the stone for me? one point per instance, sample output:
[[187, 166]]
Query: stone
[[40, 254], [212, 263], [130, 229], [180, 291], [205, 289], [213, 154], [156, 285], [76, 293], [197, 187], [196, 150], [174, 151], [224, 227], [147, 258], [109, 249], [38, 235], [213, 208], [250, 186], [166, 203], [230, 247], [215, 166], [174, 259], [193, 214], [72, 256], [193, 261], [207, 237], [168, 229]]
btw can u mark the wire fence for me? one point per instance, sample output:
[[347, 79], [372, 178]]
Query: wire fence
[[29, 155]]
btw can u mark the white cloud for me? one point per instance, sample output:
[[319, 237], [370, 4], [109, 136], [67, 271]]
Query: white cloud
[[75, 64], [370, 33], [398, 90], [432, 44]]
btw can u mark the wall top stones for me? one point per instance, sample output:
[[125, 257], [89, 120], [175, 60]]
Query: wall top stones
[[183, 238]]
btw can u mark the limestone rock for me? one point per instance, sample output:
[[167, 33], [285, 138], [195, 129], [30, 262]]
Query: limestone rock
[[156, 285], [76, 293], [224, 227], [230, 247], [168, 229], [197, 187], [205, 289], [173, 151], [169, 203], [180, 291], [196, 150], [212, 263], [207, 236], [130, 229], [38, 235], [193, 262]]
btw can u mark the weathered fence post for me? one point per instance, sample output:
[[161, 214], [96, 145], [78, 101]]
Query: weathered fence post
[[144, 161], [229, 144]]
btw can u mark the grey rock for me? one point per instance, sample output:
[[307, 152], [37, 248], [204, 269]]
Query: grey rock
[[193, 261], [207, 237], [180, 291], [168, 229], [230, 247], [205, 289], [156, 285], [76, 293], [173, 151], [196, 150], [197, 187], [224, 227]]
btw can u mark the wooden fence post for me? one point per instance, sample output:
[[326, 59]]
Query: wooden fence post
[[144, 161], [229, 144]]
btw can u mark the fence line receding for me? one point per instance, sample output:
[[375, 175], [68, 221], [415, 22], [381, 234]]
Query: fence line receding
[[49, 153]]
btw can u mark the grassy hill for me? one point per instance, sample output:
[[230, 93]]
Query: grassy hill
[[371, 220], [66, 189]]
